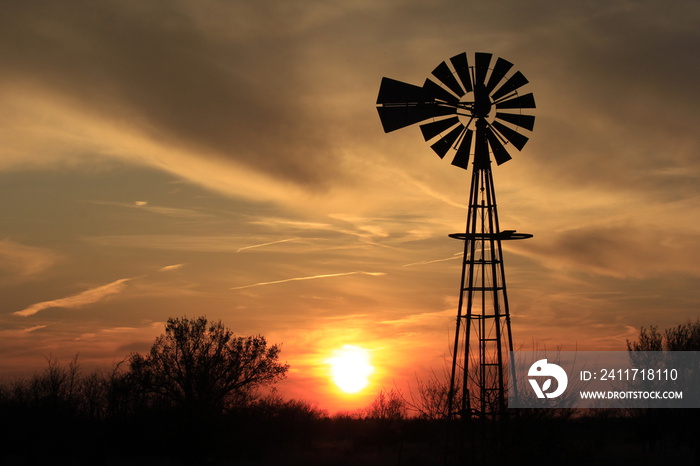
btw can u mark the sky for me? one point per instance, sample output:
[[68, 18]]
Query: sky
[[225, 158]]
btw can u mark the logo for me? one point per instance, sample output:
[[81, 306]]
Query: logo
[[542, 368]]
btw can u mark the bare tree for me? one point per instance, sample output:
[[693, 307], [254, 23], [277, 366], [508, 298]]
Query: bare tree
[[683, 337], [203, 367], [388, 405], [649, 340], [429, 399]]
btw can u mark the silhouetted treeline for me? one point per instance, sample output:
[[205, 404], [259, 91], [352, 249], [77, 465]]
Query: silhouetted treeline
[[681, 337], [209, 411], [66, 416]]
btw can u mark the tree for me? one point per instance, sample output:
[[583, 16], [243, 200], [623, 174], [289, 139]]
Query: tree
[[203, 367], [682, 337], [429, 399], [649, 340], [387, 406]]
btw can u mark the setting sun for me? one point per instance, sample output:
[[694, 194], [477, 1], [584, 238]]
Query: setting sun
[[350, 368]]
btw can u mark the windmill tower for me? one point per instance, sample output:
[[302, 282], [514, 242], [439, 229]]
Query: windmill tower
[[472, 111]]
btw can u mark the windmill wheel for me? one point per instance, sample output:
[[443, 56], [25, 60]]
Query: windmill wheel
[[465, 105]]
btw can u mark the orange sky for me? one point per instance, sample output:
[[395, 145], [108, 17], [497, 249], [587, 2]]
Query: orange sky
[[225, 159]]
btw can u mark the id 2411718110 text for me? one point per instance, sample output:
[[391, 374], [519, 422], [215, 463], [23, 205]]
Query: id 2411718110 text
[[629, 374]]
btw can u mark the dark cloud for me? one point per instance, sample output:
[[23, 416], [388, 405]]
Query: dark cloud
[[286, 88], [152, 68], [617, 94], [633, 252]]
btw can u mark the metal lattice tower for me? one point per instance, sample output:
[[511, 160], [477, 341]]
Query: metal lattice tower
[[461, 111], [483, 333]]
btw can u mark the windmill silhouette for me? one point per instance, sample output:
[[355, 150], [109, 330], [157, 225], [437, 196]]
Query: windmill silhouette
[[473, 112]]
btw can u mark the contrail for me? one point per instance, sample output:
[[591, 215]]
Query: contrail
[[313, 277], [81, 299], [266, 244], [432, 261]]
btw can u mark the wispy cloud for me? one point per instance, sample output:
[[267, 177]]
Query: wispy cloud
[[313, 277], [425, 189], [420, 319], [175, 242], [266, 244], [25, 260], [171, 267], [176, 212], [86, 297], [455, 256], [32, 329]]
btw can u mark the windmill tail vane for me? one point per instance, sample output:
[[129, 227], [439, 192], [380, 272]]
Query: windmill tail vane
[[472, 110]]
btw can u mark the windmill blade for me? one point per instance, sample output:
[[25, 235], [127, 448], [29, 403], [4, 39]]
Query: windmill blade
[[398, 117], [443, 145], [515, 138], [516, 81], [524, 121], [483, 60], [430, 130], [499, 71], [461, 159], [434, 92], [461, 65], [392, 91], [444, 74], [500, 153], [523, 101]]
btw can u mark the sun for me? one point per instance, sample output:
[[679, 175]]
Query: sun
[[350, 368]]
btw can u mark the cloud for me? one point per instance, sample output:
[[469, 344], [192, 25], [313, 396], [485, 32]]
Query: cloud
[[84, 298], [198, 243], [266, 244], [175, 212], [422, 319], [313, 277], [453, 257], [171, 267], [422, 187], [23, 260], [277, 115], [272, 103], [621, 252], [32, 329], [212, 96]]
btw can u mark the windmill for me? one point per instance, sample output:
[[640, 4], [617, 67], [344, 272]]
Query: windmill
[[473, 112]]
